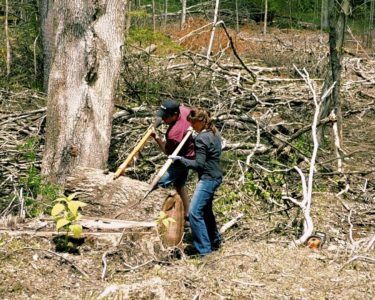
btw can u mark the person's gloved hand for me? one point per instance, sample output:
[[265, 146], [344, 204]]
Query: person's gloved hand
[[174, 157]]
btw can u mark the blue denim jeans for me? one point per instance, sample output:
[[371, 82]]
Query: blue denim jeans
[[206, 237], [176, 174]]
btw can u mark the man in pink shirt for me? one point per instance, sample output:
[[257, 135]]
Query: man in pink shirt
[[175, 115]]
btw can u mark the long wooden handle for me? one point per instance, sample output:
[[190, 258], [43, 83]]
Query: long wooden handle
[[168, 163], [121, 169]]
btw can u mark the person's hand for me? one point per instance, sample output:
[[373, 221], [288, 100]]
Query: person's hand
[[174, 157], [154, 134]]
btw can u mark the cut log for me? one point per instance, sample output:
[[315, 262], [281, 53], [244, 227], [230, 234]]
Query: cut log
[[172, 232], [115, 198]]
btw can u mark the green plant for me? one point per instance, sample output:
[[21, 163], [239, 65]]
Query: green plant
[[164, 219], [37, 192], [66, 213]]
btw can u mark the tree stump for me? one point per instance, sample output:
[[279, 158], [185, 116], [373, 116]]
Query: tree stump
[[121, 198]]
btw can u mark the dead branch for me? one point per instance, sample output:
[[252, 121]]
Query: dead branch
[[358, 257], [50, 252]]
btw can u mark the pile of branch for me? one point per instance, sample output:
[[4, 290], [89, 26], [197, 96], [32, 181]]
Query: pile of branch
[[20, 131]]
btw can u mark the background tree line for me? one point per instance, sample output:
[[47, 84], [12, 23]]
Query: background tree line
[[21, 55]]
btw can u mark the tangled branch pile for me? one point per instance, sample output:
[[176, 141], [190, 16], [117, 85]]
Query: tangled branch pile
[[263, 112]]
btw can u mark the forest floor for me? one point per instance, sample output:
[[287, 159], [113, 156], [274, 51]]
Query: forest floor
[[255, 261]]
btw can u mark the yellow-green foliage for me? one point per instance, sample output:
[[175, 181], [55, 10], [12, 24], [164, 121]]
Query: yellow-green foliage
[[139, 14], [143, 37], [65, 212], [164, 219]]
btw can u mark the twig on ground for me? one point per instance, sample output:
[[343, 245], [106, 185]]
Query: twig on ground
[[50, 252], [358, 257]]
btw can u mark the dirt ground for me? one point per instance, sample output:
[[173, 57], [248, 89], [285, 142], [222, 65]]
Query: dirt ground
[[255, 261], [250, 265]]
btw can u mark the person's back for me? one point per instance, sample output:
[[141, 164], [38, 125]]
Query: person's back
[[210, 143]]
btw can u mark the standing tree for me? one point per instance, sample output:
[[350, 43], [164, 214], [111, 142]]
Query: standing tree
[[83, 44], [165, 12], [237, 18], [265, 17], [7, 36], [337, 29], [183, 14], [153, 16], [128, 17], [324, 15], [371, 24], [216, 13]]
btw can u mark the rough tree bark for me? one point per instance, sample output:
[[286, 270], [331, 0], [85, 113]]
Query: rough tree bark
[[83, 40], [115, 198]]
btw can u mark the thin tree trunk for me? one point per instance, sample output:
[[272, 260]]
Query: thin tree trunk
[[216, 12], [165, 13], [371, 24], [336, 44], [48, 29], [128, 17], [183, 14], [265, 17], [8, 60], [87, 43], [153, 16], [237, 19], [34, 54], [324, 15]]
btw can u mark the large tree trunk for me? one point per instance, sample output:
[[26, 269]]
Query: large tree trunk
[[87, 43]]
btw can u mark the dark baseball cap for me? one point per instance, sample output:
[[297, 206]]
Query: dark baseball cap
[[168, 108]]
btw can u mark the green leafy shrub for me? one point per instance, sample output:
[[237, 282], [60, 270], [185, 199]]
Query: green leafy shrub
[[66, 213]]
